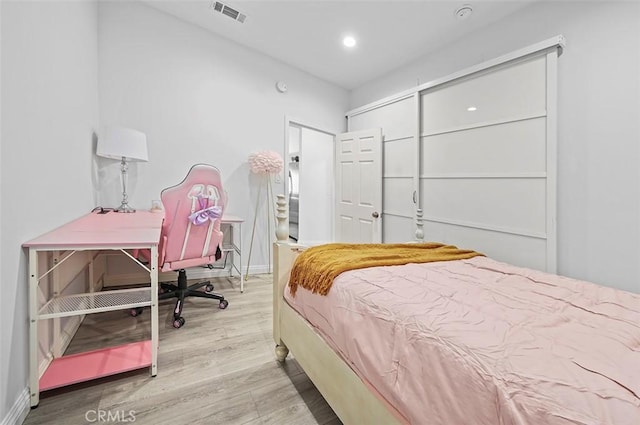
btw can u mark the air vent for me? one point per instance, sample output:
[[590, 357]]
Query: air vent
[[228, 11]]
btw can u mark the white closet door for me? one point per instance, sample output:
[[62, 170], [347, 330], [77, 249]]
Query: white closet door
[[398, 120], [487, 178]]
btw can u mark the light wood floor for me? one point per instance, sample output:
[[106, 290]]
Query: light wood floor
[[220, 368]]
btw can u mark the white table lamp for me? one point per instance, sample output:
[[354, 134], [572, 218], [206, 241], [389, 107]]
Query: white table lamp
[[126, 145]]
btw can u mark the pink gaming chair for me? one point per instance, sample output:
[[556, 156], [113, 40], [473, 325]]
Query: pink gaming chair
[[191, 233]]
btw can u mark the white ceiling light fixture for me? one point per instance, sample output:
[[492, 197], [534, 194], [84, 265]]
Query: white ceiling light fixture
[[463, 12], [472, 108], [349, 41]]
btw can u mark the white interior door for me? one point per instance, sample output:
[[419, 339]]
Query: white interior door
[[359, 186]]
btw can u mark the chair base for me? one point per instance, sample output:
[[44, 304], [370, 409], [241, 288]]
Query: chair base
[[182, 290]]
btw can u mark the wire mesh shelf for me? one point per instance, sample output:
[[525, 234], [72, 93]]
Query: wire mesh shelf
[[96, 302]]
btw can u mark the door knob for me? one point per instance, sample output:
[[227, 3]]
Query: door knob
[[375, 214]]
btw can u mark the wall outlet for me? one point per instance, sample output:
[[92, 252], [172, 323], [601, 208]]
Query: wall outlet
[[278, 179]]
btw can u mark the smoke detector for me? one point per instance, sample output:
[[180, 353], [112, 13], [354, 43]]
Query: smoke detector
[[463, 12], [228, 11], [281, 86]]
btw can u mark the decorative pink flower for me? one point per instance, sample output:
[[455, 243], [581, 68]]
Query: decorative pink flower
[[266, 162]]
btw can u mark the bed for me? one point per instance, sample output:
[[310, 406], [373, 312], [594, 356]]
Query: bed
[[584, 370]]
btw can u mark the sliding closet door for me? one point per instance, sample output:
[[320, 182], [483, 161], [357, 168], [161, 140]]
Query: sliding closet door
[[398, 121], [487, 177]]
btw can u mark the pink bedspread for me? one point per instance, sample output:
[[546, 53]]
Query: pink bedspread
[[476, 341]]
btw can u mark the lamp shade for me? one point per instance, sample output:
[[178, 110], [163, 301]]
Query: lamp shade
[[118, 142]]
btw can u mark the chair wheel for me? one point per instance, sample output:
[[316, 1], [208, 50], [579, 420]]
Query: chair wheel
[[223, 304], [178, 323], [208, 288], [135, 311]]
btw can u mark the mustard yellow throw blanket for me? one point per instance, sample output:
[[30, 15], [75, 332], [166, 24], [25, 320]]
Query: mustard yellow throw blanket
[[315, 268]]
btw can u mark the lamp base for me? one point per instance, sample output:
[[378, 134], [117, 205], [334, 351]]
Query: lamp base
[[125, 208]]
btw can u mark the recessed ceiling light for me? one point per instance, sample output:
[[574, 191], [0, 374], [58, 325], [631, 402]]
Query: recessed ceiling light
[[472, 108], [349, 41]]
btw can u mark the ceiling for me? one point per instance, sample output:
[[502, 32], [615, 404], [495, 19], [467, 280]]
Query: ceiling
[[308, 34]]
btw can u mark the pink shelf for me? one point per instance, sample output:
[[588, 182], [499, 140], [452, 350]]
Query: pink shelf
[[82, 367]]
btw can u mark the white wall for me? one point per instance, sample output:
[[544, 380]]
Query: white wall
[[294, 139], [4, 406], [598, 126], [49, 114], [200, 98]]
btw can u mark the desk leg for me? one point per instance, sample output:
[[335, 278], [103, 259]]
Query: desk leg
[[240, 257], [34, 372], [56, 322], [154, 310]]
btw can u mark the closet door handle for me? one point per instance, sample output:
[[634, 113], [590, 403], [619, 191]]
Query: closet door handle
[[415, 197], [375, 214]]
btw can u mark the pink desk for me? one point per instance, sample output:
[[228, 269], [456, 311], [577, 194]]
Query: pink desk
[[112, 231]]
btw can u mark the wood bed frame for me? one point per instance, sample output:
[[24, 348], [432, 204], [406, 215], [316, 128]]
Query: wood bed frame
[[351, 399]]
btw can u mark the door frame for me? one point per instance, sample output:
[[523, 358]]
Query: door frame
[[288, 120]]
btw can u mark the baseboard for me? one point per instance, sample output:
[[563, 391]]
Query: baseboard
[[193, 273], [68, 333], [64, 341], [141, 278], [205, 273], [44, 364], [260, 269], [19, 411]]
